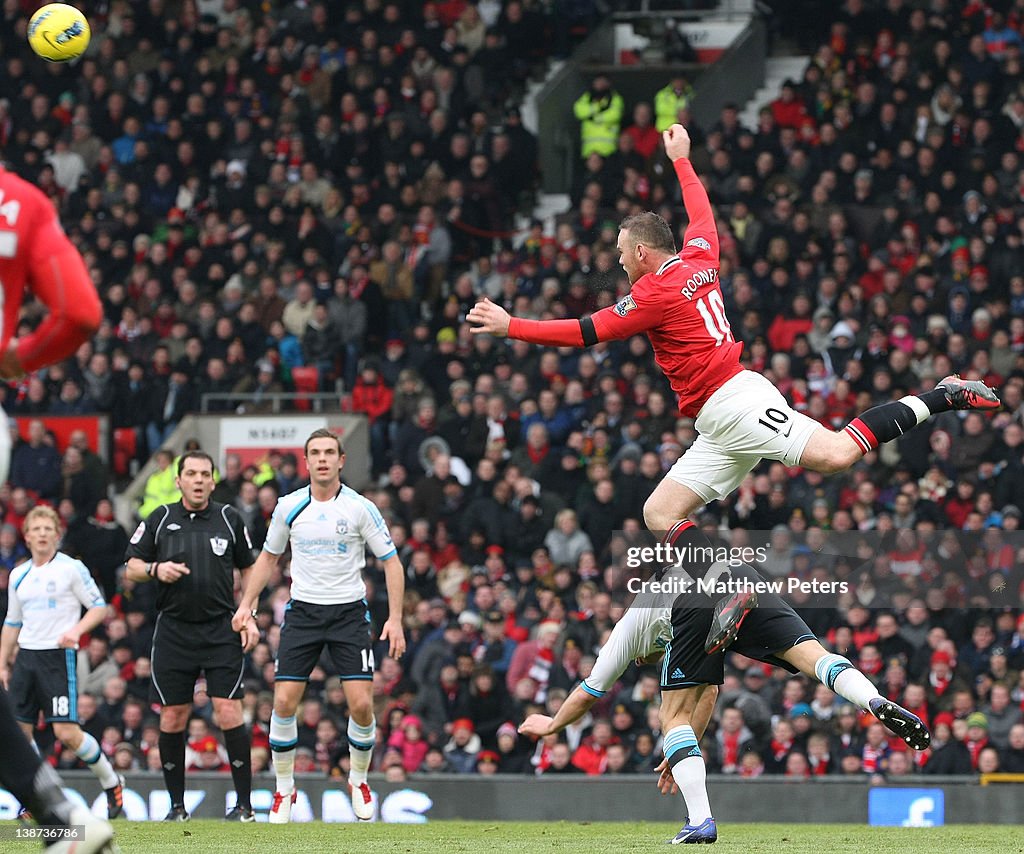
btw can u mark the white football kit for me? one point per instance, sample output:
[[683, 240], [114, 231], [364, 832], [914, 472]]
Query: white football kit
[[328, 540], [46, 601], [644, 629]]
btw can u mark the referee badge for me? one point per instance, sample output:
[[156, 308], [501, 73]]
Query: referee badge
[[219, 545]]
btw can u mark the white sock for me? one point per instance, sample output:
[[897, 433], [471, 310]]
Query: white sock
[[918, 407], [284, 736], [89, 752], [360, 749], [689, 772], [839, 674]]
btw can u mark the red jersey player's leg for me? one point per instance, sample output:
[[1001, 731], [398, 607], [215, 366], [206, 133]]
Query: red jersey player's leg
[[831, 452]]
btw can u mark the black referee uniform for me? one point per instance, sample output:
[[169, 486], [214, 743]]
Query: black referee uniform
[[193, 632], [193, 625]]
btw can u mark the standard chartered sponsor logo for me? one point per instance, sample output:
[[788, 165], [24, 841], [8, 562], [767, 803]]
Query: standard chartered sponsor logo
[[316, 546]]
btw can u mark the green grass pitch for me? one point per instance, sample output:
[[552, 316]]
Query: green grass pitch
[[456, 837]]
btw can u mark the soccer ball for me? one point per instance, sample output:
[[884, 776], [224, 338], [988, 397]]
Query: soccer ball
[[58, 32]]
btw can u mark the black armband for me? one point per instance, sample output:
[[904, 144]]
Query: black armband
[[588, 331]]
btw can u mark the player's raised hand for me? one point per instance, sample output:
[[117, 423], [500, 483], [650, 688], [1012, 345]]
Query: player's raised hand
[[537, 726], [394, 633], [666, 782], [677, 142], [488, 318]]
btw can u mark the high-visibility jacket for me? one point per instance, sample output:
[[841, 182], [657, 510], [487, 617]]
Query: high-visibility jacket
[[600, 121], [667, 104], [160, 489]]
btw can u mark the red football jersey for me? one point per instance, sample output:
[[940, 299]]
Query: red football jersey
[[679, 307], [35, 252]]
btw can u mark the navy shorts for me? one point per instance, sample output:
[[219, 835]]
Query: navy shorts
[[309, 629], [772, 627], [45, 680]]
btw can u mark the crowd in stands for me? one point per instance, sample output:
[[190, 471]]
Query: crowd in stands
[[262, 186]]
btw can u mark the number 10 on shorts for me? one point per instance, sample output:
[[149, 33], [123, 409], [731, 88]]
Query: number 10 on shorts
[[777, 419]]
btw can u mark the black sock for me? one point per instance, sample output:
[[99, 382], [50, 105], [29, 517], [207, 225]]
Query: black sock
[[172, 760], [26, 776], [237, 742], [936, 401], [880, 425], [889, 421], [693, 547]]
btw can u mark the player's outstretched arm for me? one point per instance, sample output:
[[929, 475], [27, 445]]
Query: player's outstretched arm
[[576, 705], [59, 279], [491, 319], [625, 645], [626, 318], [695, 197]]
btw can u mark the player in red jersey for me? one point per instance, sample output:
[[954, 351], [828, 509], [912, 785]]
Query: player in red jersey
[[741, 418], [35, 253]]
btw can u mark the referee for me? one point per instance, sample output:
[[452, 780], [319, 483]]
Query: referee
[[191, 549]]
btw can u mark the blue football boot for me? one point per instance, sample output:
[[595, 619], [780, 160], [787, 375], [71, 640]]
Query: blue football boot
[[704, 833]]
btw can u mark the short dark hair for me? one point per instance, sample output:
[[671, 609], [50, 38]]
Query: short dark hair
[[323, 433], [195, 455], [651, 230]]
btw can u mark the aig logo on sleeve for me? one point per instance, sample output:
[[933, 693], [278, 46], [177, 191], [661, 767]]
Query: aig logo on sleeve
[[899, 807]]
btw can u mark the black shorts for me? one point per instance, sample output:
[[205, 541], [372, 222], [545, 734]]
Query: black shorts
[[45, 680], [308, 628], [773, 626], [181, 651]]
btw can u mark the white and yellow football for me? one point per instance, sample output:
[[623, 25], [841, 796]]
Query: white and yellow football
[[58, 32]]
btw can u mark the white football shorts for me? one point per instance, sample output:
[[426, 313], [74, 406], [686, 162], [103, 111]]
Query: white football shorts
[[747, 420]]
